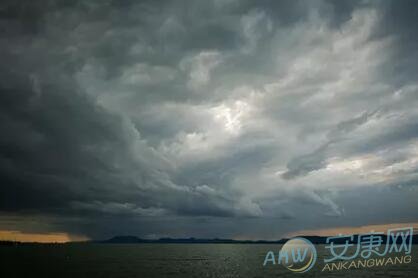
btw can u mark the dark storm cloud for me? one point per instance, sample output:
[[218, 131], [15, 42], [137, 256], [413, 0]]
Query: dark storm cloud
[[55, 146], [398, 21], [205, 118]]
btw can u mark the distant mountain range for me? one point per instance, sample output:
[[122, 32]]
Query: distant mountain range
[[192, 240], [134, 239], [313, 239]]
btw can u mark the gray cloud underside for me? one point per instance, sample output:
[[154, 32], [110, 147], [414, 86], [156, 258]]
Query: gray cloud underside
[[207, 118]]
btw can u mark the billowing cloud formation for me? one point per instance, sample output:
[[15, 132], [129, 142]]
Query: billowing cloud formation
[[207, 118]]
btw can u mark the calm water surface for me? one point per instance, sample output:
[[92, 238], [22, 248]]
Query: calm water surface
[[166, 260]]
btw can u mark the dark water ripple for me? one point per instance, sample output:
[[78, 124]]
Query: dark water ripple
[[165, 260]]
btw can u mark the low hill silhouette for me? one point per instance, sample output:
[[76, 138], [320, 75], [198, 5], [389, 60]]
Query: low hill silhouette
[[313, 239], [130, 239]]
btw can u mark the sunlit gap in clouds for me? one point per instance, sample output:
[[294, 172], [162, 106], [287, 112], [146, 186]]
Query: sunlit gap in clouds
[[19, 236]]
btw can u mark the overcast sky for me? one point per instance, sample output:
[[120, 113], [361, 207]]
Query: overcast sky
[[238, 119]]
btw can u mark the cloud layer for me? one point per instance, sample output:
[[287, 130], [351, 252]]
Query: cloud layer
[[231, 118]]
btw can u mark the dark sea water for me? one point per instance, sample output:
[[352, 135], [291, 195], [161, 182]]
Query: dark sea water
[[167, 260]]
